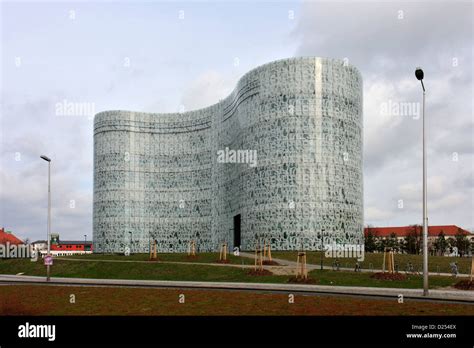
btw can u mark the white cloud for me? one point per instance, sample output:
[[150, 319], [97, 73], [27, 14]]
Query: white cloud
[[36, 130], [387, 49], [376, 214]]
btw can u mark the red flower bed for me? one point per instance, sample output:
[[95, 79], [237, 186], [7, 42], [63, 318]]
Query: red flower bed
[[258, 272], [464, 285], [299, 280], [388, 276]]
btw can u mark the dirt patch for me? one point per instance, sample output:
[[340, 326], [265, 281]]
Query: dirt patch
[[192, 257], [154, 259], [259, 272], [270, 263], [388, 276], [52, 300], [299, 280], [464, 285]]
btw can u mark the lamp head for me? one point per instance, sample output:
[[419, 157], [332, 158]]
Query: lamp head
[[45, 158], [419, 73]]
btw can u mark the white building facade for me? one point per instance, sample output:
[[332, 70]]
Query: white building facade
[[279, 160]]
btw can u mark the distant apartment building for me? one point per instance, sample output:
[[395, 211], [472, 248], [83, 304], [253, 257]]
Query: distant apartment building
[[40, 245], [401, 232], [63, 248], [433, 231]]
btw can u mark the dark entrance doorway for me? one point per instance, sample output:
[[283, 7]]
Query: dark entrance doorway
[[237, 231]]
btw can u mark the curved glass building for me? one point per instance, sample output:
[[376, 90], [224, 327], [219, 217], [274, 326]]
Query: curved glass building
[[279, 159]]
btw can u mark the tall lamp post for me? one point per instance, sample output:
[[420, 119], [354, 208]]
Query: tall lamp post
[[47, 159], [420, 75]]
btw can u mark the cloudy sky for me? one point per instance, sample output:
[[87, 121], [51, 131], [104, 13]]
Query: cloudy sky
[[164, 57]]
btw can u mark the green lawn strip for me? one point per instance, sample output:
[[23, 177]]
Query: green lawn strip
[[163, 271], [172, 257], [435, 263], [329, 277], [139, 271]]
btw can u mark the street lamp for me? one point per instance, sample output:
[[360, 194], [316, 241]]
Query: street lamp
[[420, 75], [47, 159]]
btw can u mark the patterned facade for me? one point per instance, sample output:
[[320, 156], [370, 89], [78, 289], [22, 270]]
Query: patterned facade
[[157, 176]]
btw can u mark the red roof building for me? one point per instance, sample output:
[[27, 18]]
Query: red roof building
[[72, 245], [403, 231], [8, 237]]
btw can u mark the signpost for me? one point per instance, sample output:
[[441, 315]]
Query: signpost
[[48, 261]]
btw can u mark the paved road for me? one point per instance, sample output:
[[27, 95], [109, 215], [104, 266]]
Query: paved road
[[437, 295]]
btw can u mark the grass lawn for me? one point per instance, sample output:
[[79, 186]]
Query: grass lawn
[[329, 277], [175, 257], [185, 272], [138, 270], [435, 263], [54, 300]]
